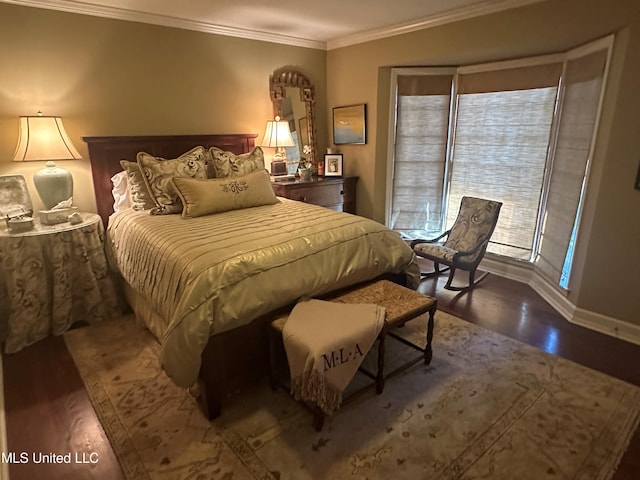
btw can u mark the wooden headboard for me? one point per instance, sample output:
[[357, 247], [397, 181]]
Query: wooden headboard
[[105, 154]]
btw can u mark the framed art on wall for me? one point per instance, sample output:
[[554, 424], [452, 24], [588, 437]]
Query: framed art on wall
[[333, 165], [349, 124]]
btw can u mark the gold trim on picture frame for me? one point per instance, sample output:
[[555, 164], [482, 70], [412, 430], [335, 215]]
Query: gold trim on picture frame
[[333, 165], [349, 125]]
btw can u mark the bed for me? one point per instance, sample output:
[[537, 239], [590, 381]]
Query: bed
[[208, 287]]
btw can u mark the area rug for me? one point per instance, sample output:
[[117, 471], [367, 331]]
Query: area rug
[[487, 407]]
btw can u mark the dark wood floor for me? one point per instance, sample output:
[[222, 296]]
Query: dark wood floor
[[48, 409]]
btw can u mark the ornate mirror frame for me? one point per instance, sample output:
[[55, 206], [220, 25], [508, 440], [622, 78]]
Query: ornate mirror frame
[[279, 81]]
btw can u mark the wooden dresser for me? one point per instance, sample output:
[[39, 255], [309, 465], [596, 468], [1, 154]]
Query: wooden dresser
[[337, 193]]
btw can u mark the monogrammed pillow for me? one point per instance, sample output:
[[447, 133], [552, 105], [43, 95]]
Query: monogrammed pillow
[[215, 195], [158, 173], [228, 164]]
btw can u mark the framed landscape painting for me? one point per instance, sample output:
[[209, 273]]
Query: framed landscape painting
[[349, 124]]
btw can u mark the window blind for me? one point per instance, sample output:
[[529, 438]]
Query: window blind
[[581, 98], [496, 143], [423, 105], [502, 133]]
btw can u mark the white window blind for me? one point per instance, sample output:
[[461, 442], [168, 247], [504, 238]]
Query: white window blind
[[423, 106], [583, 80], [502, 133]]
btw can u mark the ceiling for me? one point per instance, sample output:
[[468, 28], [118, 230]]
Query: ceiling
[[324, 24]]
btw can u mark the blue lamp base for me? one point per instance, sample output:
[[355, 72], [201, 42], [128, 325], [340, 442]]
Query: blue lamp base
[[53, 184]]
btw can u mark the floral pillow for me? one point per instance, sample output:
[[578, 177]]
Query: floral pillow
[[140, 197], [158, 173], [228, 164]]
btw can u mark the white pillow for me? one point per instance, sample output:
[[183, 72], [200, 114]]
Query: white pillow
[[120, 191]]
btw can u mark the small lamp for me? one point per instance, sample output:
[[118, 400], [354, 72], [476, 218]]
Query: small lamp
[[278, 135], [44, 138]]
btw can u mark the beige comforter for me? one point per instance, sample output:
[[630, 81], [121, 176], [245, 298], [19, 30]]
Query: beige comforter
[[210, 274]]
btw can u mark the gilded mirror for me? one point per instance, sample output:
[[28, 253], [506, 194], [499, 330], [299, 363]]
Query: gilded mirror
[[293, 98]]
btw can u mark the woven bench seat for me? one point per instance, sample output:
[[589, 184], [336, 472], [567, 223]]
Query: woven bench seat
[[401, 305]]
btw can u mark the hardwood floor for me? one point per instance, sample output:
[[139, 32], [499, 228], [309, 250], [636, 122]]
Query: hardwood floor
[[515, 310], [48, 409]]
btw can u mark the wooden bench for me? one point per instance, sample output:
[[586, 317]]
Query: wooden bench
[[401, 305]]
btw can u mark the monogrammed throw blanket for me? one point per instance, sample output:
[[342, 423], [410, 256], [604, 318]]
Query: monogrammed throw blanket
[[325, 344]]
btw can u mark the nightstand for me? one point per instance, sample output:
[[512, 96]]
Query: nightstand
[[337, 193], [52, 277]]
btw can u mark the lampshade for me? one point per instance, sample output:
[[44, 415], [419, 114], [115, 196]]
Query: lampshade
[[277, 134], [44, 138]]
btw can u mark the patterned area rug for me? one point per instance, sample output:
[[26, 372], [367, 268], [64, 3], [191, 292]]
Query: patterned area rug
[[487, 407]]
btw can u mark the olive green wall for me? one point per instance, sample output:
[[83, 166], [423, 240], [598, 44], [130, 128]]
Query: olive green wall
[[112, 77], [607, 277]]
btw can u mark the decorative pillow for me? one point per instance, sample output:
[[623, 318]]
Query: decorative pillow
[[139, 193], [120, 192], [228, 164], [158, 173], [202, 197]]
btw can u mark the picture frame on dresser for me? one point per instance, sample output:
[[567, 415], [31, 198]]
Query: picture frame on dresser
[[333, 165]]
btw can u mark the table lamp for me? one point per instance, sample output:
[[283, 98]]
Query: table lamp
[[278, 135], [44, 138]]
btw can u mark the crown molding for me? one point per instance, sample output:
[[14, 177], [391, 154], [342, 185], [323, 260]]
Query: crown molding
[[463, 13], [72, 6]]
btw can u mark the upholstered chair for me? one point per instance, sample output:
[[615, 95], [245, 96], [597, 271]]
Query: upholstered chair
[[463, 246]]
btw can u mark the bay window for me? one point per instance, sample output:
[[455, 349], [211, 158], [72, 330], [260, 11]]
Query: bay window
[[519, 132]]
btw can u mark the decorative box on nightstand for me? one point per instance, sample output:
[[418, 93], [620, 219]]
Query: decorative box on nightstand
[[337, 193], [58, 215]]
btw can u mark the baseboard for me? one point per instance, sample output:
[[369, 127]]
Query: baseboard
[[607, 325], [4, 467], [585, 318], [526, 273], [556, 298], [513, 270]]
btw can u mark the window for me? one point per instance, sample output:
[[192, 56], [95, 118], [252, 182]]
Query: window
[[502, 133], [519, 132], [423, 104], [583, 84]]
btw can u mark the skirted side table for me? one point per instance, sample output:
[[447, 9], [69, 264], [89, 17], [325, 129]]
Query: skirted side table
[[52, 277]]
